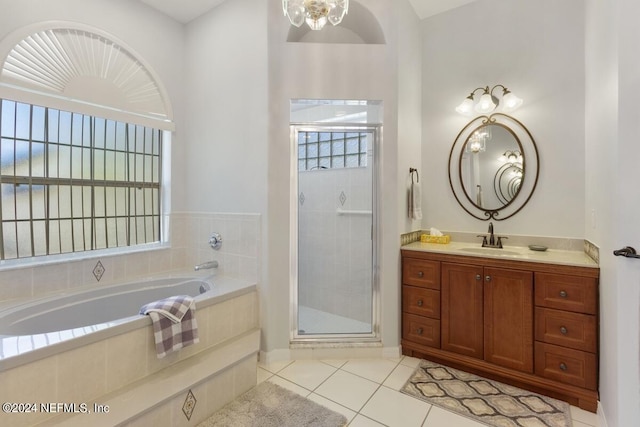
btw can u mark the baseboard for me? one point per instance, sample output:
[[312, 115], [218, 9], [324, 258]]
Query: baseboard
[[602, 420], [319, 353]]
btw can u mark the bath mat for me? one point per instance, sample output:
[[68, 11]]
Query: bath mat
[[269, 405], [489, 402]]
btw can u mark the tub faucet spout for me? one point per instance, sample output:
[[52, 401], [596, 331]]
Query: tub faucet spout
[[210, 264]]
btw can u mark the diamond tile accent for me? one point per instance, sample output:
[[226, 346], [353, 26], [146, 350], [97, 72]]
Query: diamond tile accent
[[189, 405], [98, 271], [343, 198], [301, 198]]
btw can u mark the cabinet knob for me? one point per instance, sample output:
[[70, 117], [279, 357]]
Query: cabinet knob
[[563, 330], [420, 274], [419, 303], [478, 277], [563, 294], [563, 367], [487, 278], [419, 331]]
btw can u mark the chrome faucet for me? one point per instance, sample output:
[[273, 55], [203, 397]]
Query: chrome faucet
[[494, 241], [204, 265]]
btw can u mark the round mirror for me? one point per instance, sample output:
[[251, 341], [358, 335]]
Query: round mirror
[[493, 167]]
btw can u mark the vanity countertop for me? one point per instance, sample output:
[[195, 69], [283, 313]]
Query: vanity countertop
[[514, 253]]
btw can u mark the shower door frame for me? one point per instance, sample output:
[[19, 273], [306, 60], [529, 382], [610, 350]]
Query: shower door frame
[[345, 338]]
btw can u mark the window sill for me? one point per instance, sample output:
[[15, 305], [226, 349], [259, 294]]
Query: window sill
[[12, 264]]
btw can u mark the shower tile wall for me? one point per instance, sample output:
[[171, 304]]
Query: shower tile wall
[[238, 257], [334, 266]]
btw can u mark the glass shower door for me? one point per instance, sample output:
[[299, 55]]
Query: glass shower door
[[336, 211]]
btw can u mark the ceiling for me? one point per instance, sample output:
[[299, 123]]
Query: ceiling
[[185, 11]]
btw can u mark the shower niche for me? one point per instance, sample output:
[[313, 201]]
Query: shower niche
[[334, 220]]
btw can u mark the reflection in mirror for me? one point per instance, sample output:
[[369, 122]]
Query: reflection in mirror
[[490, 178], [493, 167]]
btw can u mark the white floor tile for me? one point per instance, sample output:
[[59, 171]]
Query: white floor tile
[[337, 363], [439, 417], [275, 367], [398, 377], [347, 389], [376, 370], [289, 386], [333, 406], [410, 361], [361, 421], [263, 375], [307, 373], [394, 409]]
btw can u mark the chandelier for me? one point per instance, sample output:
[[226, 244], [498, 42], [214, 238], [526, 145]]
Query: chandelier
[[315, 13]]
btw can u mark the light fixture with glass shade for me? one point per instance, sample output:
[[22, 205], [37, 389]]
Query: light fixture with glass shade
[[315, 13], [488, 102]]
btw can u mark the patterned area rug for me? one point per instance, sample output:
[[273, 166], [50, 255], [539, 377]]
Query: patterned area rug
[[269, 405], [483, 400]]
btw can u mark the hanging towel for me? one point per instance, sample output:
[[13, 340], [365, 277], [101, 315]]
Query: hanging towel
[[174, 323], [415, 201]]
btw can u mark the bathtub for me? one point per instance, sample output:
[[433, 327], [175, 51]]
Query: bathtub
[[47, 321], [92, 345]]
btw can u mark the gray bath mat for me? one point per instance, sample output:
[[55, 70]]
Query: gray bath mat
[[489, 402], [269, 405]]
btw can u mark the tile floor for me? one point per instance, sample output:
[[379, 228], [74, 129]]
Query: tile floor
[[367, 392]]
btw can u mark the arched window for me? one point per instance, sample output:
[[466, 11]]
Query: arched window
[[83, 125]]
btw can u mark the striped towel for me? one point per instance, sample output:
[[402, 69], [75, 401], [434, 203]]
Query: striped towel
[[174, 323]]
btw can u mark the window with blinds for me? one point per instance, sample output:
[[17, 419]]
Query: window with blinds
[[71, 182]]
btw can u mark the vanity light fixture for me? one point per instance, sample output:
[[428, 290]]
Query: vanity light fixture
[[488, 102], [315, 13], [512, 157], [478, 140]]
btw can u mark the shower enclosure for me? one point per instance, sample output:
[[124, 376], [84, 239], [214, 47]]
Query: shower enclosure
[[334, 202]]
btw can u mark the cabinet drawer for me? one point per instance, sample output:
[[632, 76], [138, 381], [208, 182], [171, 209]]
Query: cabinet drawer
[[566, 365], [418, 272], [567, 329], [420, 301], [421, 330], [573, 293]]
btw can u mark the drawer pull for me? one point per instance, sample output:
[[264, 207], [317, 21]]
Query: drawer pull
[[563, 330], [487, 278], [420, 274], [419, 331], [478, 277], [563, 294], [563, 367], [419, 303]]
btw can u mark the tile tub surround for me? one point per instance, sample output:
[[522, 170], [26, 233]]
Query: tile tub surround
[[238, 257], [97, 369]]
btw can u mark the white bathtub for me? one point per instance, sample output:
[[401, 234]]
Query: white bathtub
[[29, 329], [107, 305]]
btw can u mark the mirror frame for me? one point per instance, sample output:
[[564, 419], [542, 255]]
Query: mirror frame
[[530, 164]]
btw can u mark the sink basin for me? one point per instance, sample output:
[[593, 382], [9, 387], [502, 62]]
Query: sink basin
[[491, 251]]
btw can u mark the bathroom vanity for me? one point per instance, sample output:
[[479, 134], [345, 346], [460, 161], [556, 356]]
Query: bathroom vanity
[[529, 319]]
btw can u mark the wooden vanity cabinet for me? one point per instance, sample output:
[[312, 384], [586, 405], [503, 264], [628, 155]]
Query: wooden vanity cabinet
[[531, 325], [487, 313]]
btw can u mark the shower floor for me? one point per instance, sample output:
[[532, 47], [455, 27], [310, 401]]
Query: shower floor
[[312, 322]]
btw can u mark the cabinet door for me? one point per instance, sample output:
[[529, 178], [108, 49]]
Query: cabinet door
[[508, 318], [461, 311]]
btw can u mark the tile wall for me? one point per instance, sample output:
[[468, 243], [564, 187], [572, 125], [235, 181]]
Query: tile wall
[[238, 257]]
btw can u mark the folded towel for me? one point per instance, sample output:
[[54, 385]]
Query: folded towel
[[174, 323], [415, 202]]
